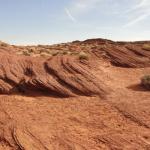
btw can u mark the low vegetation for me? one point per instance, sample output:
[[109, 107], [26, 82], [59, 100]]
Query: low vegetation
[[26, 53], [145, 81], [146, 46], [44, 54], [83, 56], [70, 49], [3, 44]]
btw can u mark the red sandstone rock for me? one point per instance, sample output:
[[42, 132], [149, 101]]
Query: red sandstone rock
[[59, 102], [59, 76]]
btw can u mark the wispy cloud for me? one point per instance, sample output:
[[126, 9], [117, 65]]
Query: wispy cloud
[[79, 7], [138, 13], [70, 15], [142, 3], [137, 20]]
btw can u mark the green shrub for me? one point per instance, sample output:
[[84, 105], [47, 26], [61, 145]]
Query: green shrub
[[30, 50], [4, 44], [145, 81], [26, 53], [44, 54], [146, 46], [55, 53], [83, 56], [65, 52]]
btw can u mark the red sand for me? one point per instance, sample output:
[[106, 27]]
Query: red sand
[[61, 103]]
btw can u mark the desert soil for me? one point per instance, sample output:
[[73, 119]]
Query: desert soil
[[107, 110]]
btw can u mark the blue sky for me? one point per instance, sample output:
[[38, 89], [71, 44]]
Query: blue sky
[[55, 21]]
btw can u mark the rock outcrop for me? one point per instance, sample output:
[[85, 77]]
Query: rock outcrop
[[60, 76], [122, 54], [53, 99]]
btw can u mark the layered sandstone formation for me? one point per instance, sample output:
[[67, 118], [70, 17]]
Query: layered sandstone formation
[[83, 95], [59, 76]]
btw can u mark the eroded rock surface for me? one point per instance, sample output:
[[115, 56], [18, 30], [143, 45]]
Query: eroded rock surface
[[58, 76], [64, 103]]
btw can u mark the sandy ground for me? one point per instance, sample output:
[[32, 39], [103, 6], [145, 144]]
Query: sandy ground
[[121, 122]]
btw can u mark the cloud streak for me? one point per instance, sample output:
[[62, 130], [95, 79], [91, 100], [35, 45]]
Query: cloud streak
[[137, 20], [140, 11], [79, 7], [70, 15], [141, 4]]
